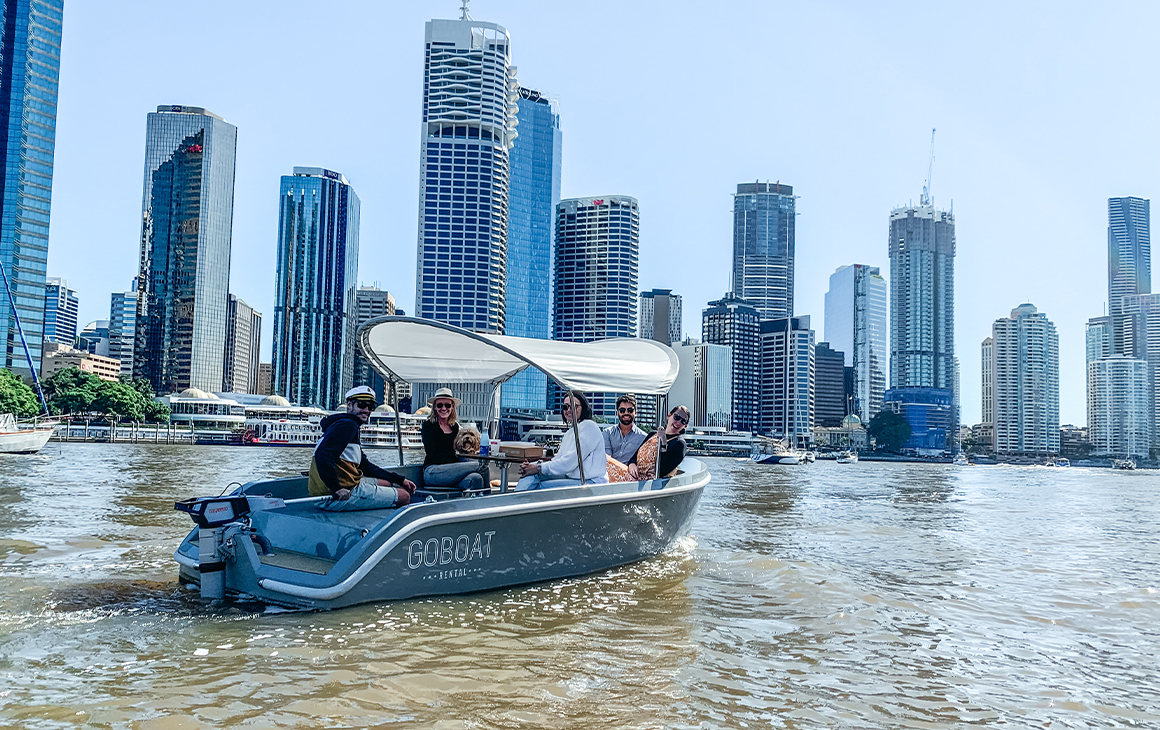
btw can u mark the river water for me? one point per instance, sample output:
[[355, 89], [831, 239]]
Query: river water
[[860, 596]]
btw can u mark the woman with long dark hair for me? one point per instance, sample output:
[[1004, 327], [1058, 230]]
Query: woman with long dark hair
[[564, 469], [660, 454]]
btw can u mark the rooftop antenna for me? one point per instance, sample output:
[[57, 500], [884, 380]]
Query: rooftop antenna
[[465, 15], [925, 200]]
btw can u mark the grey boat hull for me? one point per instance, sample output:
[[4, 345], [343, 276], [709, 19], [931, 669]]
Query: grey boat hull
[[324, 560]]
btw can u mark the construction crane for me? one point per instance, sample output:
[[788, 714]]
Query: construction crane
[[929, 171]]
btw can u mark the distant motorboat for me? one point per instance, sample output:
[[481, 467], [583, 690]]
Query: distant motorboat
[[1126, 464], [17, 439], [773, 451], [848, 457], [1062, 462], [961, 460]]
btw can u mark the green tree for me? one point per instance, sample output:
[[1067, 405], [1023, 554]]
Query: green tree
[[16, 397], [154, 412], [890, 430], [71, 390], [120, 400]]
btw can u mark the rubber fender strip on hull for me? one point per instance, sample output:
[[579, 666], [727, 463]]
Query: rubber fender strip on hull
[[332, 592]]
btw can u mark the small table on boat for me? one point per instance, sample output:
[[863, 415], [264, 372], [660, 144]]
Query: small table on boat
[[503, 461]]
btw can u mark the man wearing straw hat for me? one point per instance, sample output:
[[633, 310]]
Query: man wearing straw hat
[[341, 470]]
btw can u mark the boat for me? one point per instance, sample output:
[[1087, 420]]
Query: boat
[[22, 439], [1126, 464], [848, 457], [267, 541], [773, 451], [1062, 462], [961, 460]]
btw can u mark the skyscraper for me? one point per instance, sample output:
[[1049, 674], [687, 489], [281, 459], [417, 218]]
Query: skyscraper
[[314, 295], [763, 247], [29, 75], [1129, 251], [371, 302], [596, 266], [987, 351], [829, 386], [243, 345], [660, 316], [1025, 367], [469, 126], [123, 327], [534, 193], [187, 213], [732, 321], [922, 308], [704, 384], [1139, 323], [61, 306], [856, 325], [1118, 407], [787, 380]]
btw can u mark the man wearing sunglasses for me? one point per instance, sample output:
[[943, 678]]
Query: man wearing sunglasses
[[341, 470], [622, 439]]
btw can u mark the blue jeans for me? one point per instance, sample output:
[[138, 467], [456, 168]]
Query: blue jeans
[[367, 495], [463, 475], [538, 481]]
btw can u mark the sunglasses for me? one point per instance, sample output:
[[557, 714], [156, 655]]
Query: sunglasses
[[444, 406], [566, 407], [626, 410], [363, 403], [679, 418]]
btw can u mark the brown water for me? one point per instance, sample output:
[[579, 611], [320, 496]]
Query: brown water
[[859, 596]]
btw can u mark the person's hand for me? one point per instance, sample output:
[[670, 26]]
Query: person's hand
[[527, 468], [342, 495], [634, 472], [409, 486]]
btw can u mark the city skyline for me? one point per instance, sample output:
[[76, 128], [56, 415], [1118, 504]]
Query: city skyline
[[840, 216]]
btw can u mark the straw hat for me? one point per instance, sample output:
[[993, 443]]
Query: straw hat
[[442, 393]]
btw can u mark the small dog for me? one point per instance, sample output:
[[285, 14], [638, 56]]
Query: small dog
[[467, 441]]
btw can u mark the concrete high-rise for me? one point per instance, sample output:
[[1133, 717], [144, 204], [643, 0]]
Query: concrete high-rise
[[29, 76], [734, 322], [469, 126], [704, 384], [596, 269], [187, 215], [534, 193], [763, 247], [243, 345], [1119, 406], [856, 325], [1025, 367], [1138, 322], [123, 327], [660, 316], [787, 380], [314, 295], [61, 307], [371, 302], [988, 380], [1129, 251]]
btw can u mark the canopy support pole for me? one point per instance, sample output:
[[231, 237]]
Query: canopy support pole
[[576, 432], [398, 420]]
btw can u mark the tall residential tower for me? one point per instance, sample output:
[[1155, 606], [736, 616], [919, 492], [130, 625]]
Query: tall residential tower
[[763, 247], [1025, 392], [856, 326]]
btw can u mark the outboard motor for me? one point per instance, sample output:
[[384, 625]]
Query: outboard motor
[[211, 514]]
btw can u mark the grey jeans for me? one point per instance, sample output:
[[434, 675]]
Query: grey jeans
[[463, 475]]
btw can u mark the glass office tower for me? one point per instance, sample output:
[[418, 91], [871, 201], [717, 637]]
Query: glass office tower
[[763, 247], [123, 327], [1129, 251], [856, 325], [469, 126], [243, 345], [787, 380], [314, 295], [187, 213], [61, 307], [732, 321], [29, 72], [534, 193], [597, 260]]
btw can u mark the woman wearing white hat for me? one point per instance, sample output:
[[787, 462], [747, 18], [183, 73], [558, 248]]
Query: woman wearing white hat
[[442, 466]]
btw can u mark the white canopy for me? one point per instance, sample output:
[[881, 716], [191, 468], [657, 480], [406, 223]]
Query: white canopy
[[420, 350]]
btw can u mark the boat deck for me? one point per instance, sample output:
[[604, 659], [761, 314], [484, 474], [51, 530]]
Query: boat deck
[[301, 562]]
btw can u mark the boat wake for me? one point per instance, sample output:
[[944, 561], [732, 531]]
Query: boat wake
[[133, 598]]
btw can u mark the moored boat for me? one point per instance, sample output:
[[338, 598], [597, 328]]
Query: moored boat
[[270, 541], [19, 439], [773, 451], [848, 457], [1126, 464]]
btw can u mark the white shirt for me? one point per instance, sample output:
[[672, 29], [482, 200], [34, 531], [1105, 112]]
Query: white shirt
[[564, 465]]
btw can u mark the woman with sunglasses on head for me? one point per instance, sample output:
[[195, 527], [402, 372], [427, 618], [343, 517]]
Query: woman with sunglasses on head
[[659, 455], [443, 466], [564, 469]]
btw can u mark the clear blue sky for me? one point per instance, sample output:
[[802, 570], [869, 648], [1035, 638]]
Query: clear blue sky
[[1043, 110]]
